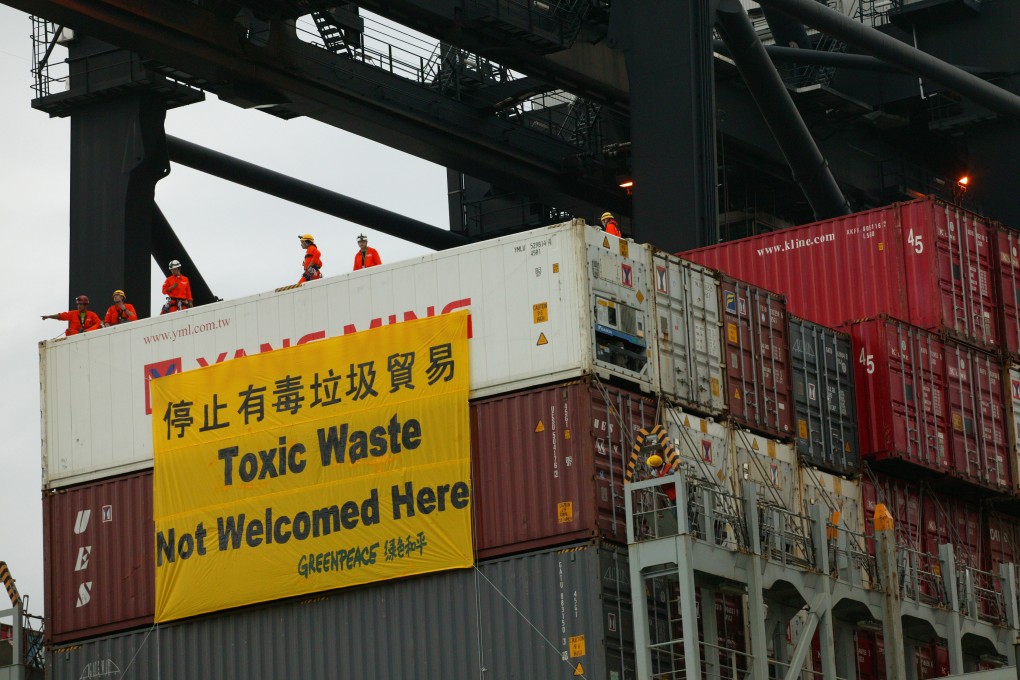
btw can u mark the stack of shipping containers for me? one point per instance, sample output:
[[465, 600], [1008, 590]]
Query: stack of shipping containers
[[769, 359], [586, 340], [928, 294]]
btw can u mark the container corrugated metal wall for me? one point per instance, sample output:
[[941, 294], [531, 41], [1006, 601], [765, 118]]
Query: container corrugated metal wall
[[99, 555], [824, 400], [534, 616], [756, 339], [690, 347], [1007, 279], [548, 464], [899, 380], [907, 260], [1011, 391], [533, 328]]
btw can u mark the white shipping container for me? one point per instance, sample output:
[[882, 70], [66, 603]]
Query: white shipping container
[[546, 305], [728, 455]]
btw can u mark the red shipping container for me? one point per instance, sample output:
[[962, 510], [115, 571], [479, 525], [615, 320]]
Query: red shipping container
[[548, 465], [99, 554], [899, 379], [903, 500], [977, 414], [756, 331], [870, 655], [1003, 541], [906, 260], [1007, 279]]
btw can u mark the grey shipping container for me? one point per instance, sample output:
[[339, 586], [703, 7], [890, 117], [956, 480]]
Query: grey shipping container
[[690, 344], [824, 401], [538, 615]]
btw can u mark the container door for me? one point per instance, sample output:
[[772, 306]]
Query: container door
[[992, 425], [840, 405], [687, 318], [757, 358], [1008, 280], [964, 272], [917, 392]]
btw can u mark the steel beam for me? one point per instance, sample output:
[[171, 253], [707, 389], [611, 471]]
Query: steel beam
[[303, 193], [809, 168], [291, 78], [673, 128], [117, 156], [878, 44]]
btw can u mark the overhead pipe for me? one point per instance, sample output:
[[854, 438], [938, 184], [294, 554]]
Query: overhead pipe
[[310, 196], [911, 59], [166, 246], [809, 167], [786, 31], [856, 62]]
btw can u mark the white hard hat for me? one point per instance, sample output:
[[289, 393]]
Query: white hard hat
[[175, 264]]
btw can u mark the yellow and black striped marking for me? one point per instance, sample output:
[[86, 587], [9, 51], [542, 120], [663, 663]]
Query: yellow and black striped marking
[[647, 442], [8, 581]]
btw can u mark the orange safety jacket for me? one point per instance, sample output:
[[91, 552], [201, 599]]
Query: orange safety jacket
[[613, 227], [369, 258], [313, 261], [114, 316], [79, 322], [182, 292]]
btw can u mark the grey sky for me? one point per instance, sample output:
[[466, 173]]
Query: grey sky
[[244, 242]]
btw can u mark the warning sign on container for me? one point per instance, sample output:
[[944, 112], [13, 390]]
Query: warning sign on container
[[540, 312], [577, 646], [565, 512], [542, 340]]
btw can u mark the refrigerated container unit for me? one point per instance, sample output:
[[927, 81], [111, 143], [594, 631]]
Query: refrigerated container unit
[[824, 400], [927, 262], [99, 558], [548, 464], [756, 340], [546, 305], [688, 318], [540, 615]]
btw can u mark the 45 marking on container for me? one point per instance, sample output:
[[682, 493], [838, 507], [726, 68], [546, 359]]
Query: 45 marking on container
[[867, 360], [916, 241]]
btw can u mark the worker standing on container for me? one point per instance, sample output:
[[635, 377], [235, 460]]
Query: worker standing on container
[[120, 311], [177, 289], [80, 320], [313, 259], [365, 257], [610, 224]]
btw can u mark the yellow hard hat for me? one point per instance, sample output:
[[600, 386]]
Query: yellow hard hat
[[307, 237], [120, 293], [606, 216], [654, 460]]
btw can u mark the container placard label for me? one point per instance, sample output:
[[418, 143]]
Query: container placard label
[[325, 465]]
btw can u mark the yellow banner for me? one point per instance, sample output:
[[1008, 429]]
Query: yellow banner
[[330, 464]]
